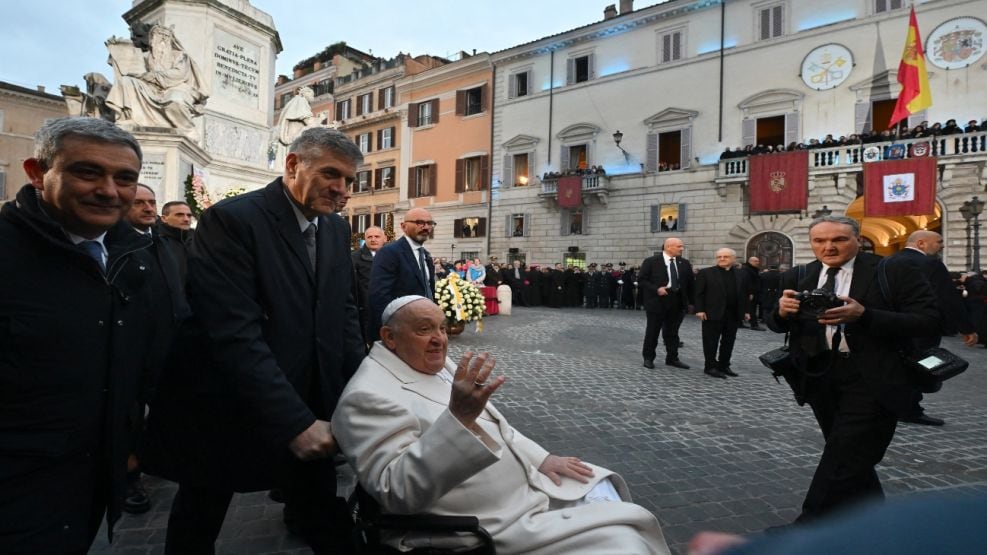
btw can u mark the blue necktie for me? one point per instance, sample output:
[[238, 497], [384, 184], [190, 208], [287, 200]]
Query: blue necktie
[[95, 251]]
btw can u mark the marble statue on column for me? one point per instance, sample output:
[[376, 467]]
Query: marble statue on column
[[156, 83], [296, 116], [91, 103]]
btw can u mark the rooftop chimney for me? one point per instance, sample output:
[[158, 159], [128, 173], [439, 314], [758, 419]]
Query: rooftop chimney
[[626, 6], [41, 88], [609, 12]]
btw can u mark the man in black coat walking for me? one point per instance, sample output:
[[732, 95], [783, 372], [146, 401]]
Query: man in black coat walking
[[84, 318], [666, 284], [277, 337], [363, 263], [846, 361], [921, 250], [722, 303]]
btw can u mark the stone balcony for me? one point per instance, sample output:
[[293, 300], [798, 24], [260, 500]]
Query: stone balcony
[[597, 186], [848, 158]]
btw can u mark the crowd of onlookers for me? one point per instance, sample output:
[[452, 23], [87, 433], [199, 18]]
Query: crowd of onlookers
[[921, 130], [591, 170]]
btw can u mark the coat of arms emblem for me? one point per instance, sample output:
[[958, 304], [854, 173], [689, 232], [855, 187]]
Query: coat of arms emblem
[[777, 183]]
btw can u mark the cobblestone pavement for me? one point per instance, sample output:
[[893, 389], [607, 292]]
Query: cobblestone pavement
[[701, 453]]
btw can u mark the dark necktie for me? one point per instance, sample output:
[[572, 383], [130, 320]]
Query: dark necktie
[[830, 284], [95, 251], [310, 242], [421, 263], [673, 274]]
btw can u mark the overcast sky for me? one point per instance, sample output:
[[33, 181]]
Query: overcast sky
[[55, 42]]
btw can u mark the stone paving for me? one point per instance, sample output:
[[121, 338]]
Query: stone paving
[[702, 453]]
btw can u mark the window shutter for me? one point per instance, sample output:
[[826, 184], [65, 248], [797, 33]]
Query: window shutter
[[531, 166], [412, 184], [570, 71], [460, 103], [370, 142], [677, 45], [666, 48], [591, 66], [791, 127], [512, 85], [484, 98], [748, 129], [529, 84], [484, 172], [380, 138], [353, 223], [527, 225], [651, 158], [377, 178], [481, 228], [564, 158], [457, 228], [413, 114], [394, 137], [765, 23], [380, 99], [435, 111], [680, 225], [460, 170], [359, 105], [508, 226], [685, 140], [507, 171], [655, 218], [776, 24], [433, 184], [564, 217]]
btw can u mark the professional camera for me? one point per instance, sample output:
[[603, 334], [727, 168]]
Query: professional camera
[[814, 303]]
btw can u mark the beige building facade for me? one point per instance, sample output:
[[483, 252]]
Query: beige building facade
[[22, 112]]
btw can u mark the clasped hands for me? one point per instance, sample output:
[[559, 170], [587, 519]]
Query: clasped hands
[[472, 386], [851, 311]]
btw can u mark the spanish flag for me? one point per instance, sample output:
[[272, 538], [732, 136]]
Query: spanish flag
[[915, 94]]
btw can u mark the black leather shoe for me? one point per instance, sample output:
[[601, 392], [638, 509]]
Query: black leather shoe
[[729, 372], [649, 364], [136, 501], [922, 419], [715, 374], [677, 363]]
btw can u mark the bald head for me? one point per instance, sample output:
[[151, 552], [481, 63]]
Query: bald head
[[673, 247], [374, 238], [926, 241], [413, 227]]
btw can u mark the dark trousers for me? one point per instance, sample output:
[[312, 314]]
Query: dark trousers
[[311, 508], [722, 334], [857, 429], [666, 322]]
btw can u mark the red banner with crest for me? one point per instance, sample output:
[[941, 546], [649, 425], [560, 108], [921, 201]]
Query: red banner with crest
[[900, 187], [779, 183], [570, 191]]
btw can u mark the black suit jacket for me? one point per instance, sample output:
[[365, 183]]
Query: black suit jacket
[[711, 295], [363, 262], [654, 274], [273, 345], [396, 273], [951, 305], [877, 337]]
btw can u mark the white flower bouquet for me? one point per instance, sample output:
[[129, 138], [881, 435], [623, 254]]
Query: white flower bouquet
[[460, 300]]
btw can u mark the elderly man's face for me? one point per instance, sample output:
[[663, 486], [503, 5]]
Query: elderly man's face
[[834, 244], [318, 185], [374, 238], [89, 186], [418, 336], [725, 258]]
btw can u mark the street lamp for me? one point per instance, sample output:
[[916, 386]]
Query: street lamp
[[975, 207], [824, 211], [617, 137]]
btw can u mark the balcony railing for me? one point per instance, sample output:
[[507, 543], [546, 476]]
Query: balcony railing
[[550, 186], [851, 156]]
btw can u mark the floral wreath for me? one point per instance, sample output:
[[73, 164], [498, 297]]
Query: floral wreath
[[460, 300]]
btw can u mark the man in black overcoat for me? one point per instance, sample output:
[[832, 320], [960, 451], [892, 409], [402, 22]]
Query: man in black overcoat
[[277, 336], [846, 361], [363, 263], [753, 269], [921, 249], [85, 318], [666, 285], [722, 302]]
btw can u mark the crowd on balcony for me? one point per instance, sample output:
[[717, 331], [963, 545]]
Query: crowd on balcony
[[591, 170], [921, 130]]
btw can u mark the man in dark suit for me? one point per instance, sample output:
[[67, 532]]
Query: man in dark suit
[[753, 269], [83, 317], [921, 250], [722, 302], [666, 284], [363, 262], [846, 362], [402, 267], [769, 289], [276, 338]]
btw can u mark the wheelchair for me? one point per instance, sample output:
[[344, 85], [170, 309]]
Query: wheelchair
[[440, 534]]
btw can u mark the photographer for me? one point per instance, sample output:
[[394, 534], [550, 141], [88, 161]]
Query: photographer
[[845, 344]]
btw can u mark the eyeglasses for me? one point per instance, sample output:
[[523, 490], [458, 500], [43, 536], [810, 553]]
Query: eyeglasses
[[422, 223]]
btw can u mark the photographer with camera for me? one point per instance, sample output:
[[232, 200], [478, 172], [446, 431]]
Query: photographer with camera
[[845, 343]]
